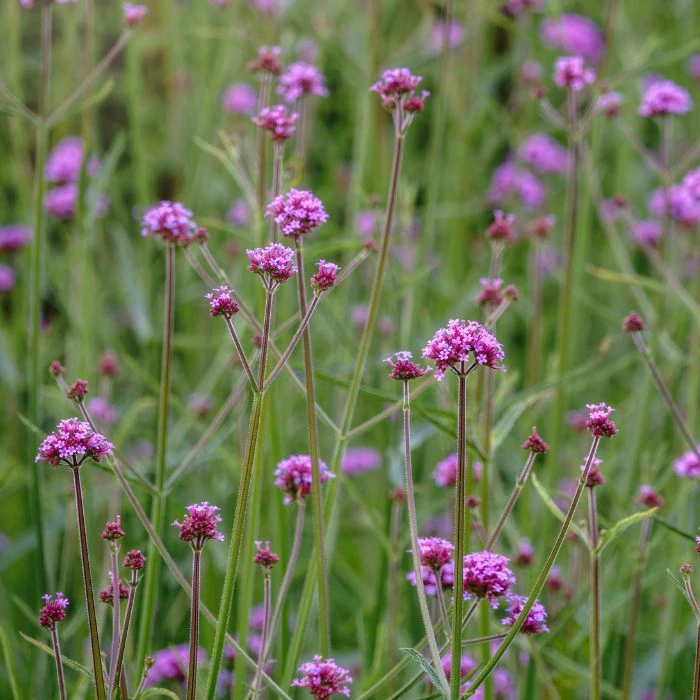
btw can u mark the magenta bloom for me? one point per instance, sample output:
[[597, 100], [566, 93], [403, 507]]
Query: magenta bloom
[[7, 278], [574, 34], [113, 530], [509, 180], [679, 202], [688, 464], [525, 553], [571, 72], [633, 323], [14, 237], [239, 213], [102, 410], [358, 460], [544, 154], [434, 552], [64, 162], [301, 79], [650, 497], [460, 343], [536, 619], [599, 423], [535, 443], [222, 303], [445, 474], [445, 33], [486, 575], [662, 97], [199, 525], [61, 201], [297, 212], [403, 368], [171, 222], [134, 560], [73, 443], [239, 98], [518, 7], [490, 291], [431, 578], [609, 104], [53, 611], [278, 120], [397, 89], [268, 60], [275, 264], [326, 276], [294, 477], [646, 232], [171, 665], [107, 593], [133, 14], [501, 228], [264, 557], [323, 678], [691, 182]]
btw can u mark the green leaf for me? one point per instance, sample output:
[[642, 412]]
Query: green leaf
[[549, 502], [9, 664], [625, 278], [509, 418], [67, 662], [429, 670], [674, 528], [621, 525], [159, 692]]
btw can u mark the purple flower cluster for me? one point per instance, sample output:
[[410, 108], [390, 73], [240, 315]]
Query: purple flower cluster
[[323, 678], [445, 474], [65, 160], [134, 560], [171, 665], [599, 423], [609, 104], [397, 89], [646, 232], [102, 410], [431, 578], [73, 443], [571, 72], [501, 228], [278, 120], [133, 14], [403, 368], [53, 611], [650, 497], [295, 479], [688, 464], [486, 575], [107, 593], [358, 460], [199, 525], [268, 61], [14, 237], [297, 212], [536, 619], [509, 180], [535, 443], [663, 97], [445, 33], [460, 343], [171, 222], [264, 557], [239, 98], [543, 154], [113, 530], [275, 264], [301, 79], [490, 292], [574, 34], [325, 277], [680, 202], [222, 303], [434, 552]]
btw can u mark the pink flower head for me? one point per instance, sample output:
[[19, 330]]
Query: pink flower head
[[7, 278], [275, 264], [56, 368], [650, 497], [646, 232], [571, 72], [239, 213], [434, 552], [403, 368], [222, 303], [595, 476], [501, 228], [301, 79], [609, 104], [466, 666], [77, 390], [444, 33], [278, 120], [134, 560], [518, 7], [396, 87], [239, 98], [544, 154], [535, 443], [662, 97], [486, 575], [64, 162], [599, 423], [555, 581], [460, 343], [490, 292], [268, 61], [73, 443], [509, 180], [574, 34], [297, 212], [264, 558], [358, 460], [113, 530], [688, 464], [536, 619], [525, 553], [102, 410], [107, 593], [445, 474], [171, 665], [326, 276], [691, 182], [531, 72], [53, 611], [268, 7], [109, 364], [14, 237], [294, 477], [133, 14], [171, 222], [199, 525], [323, 678], [678, 202], [431, 579], [633, 323], [60, 201]]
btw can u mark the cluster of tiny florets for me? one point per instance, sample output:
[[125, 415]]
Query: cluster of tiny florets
[[268, 61], [133, 14], [113, 530], [275, 263], [107, 593], [650, 497], [323, 678], [663, 97], [397, 88], [297, 212], [73, 443], [278, 121], [53, 611], [199, 525], [633, 323], [609, 104], [434, 552], [221, 302], [325, 277], [77, 390], [595, 476], [445, 474], [571, 72], [134, 560], [403, 368], [490, 294], [265, 558], [688, 464], [599, 423], [171, 222], [300, 79], [294, 477], [486, 575], [501, 229], [535, 443], [536, 619]]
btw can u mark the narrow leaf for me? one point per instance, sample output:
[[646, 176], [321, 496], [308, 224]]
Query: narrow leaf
[[549, 502], [621, 525], [429, 670], [68, 662]]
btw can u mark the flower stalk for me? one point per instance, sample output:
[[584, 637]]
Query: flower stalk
[[59, 663], [594, 566], [194, 625], [117, 671]]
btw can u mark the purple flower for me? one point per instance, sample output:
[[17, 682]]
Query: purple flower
[[297, 212], [430, 578], [544, 154], [599, 423], [535, 443], [650, 497], [525, 553], [609, 104], [113, 530], [222, 303], [264, 558], [134, 560], [441, 33], [490, 292], [133, 14], [73, 443], [397, 89], [445, 474], [688, 464], [60, 201], [308, 50], [462, 342], [691, 182], [646, 232], [323, 678], [501, 228], [518, 7], [268, 60], [486, 575], [239, 213], [199, 525], [403, 368], [53, 611], [466, 666], [278, 120], [77, 390], [662, 97], [7, 278], [678, 202], [358, 460], [171, 222], [14, 237], [509, 180], [107, 593], [171, 665], [366, 223], [633, 323], [536, 619], [326, 276], [239, 98], [571, 72], [103, 410], [574, 34], [294, 477], [434, 552], [275, 264], [694, 66], [301, 79], [64, 162], [595, 477]]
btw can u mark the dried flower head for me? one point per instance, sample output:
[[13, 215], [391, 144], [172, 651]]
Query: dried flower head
[[53, 611], [278, 120], [113, 530], [633, 323], [275, 264], [535, 443], [434, 552], [56, 368], [221, 302], [170, 222], [301, 79], [325, 277], [297, 212], [323, 678], [264, 558], [199, 525], [490, 292], [571, 72], [403, 368], [536, 619], [688, 464], [268, 61], [294, 477], [650, 497], [77, 390], [73, 443], [501, 229], [134, 560], [599, 423], [460, 343], [663, 97], [107, 593], [486, 575], [133, 14]]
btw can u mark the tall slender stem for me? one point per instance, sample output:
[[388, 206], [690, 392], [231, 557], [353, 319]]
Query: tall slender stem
[[158, 505], [118, 672], [278, 151], [241, 354], [299, 138], [415, 550], [87, 585], [59, 663], [194, 625], [262, 147], [458, 556], [316, 500], [593, 534], [116, 611], [267, 586], [696, 674], [541, 579]]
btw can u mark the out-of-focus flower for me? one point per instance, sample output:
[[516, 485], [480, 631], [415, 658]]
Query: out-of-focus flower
[[239, 98], [531, 72], [536, 619], [102, 410], [574, 34], [308, 50], [509, 180], [490, 292], [323, 678], [294, 477], [466, 666], [609, 104], [691, 182], [663, 97], [7, 278], [61, 201], [14, 237], [199, 525], [518, 7], [133, 14], [277, 120], [544, 154], [595, 476], [445, 473], [239, 213], [200, 404], [108, 365], [445, 33], [366, 223], [171, 665], [268, 7], [633, 323], [268, 61], [571, 72], [501, 228], [694, 66], [650, 497], [65, 160], [107, 593], [525, 553], [646, 232], [555, 582], [73, 443], [358, 460], [171, 222], [688, 464], [301, 79]]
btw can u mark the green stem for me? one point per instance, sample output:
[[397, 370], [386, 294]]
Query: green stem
[[265, 632], [194, 625], [59, 663], [696, 674], [116, 610], [277, 153], [117, 672], [593, 534]]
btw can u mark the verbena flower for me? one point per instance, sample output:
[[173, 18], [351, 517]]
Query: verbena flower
[[239, 98], [633, 323], [490, 292], [693, 66], [688, 464], [434, 552], [535, 443], [221, 302], [663, 97], [574, 34], [599, 423], [14, 237], [239, 213], [571, 72], [486, 575], [691, 182], [53, 611], [595, 476], [171, 222], [113, 530], [278, 121], [275, 264], [171, 664], [102, 410], [199, 525], [544, 154], [297, 212], [294, 477], [358, 460], [134, 560], [609, 104], [501, 228], [264, 558], [108, 366], [444, 33], [64, 162], [403, 368], [77, 390], [301, 79], [466, 666], [268, 61], [518, 7], [133, 14], [73, 443], [397, 89], [60, 201], [445, 474], [56, 368], [646, 232], [7, 278], [650, 497], [107, 593], [325, 277], [536, 619], [460, 343], [509, 180], [323, 678], [525, 553]]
